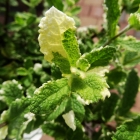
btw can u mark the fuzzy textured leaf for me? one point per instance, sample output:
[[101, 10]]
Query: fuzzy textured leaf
[[50, 97], [74, 112], [113, 13], [61, 62], [71, 46], [76, 106], [55, 130], [16, 118], [52, 28], [10, 91], [97, 57], [109, 106], [128, 131], [130, 43], [131, 90], [92, 88]]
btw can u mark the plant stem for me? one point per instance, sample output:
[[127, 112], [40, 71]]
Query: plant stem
[[3, 124], [128, 27]]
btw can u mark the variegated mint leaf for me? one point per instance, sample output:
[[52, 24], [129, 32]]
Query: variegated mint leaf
[[130, 43], [130, 92], [74, 112], [92, 88], [50, 98], [10, 91], [69, 118], [128, 131], [71, 47], [16, 118], [97, 57], [57, 36]]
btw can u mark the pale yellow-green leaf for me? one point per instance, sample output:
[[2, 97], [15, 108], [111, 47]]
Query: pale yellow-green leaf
[[52, 27], [69, 119]]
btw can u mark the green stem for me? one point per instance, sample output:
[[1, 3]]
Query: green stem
[[128, 27]]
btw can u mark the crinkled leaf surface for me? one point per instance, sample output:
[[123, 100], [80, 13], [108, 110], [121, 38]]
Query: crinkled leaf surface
[[16, 119], [128, 131], [131, 90], [89, 88], [50, 97], [76, 106], [113, 13], [61, 62], [75, 113], [97, 57], [134, 20], [52, 28], [10, 91], [109, 106], [58, 111], [115, 76], [131, 55], [70, 44], [60, 132], [55, 130], [130, 43]]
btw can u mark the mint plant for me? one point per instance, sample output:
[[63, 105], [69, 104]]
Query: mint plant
[[80, 89]]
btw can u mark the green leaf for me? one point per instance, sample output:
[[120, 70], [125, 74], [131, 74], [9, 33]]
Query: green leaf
[[49, 97], [115, 76], [35, 2], [131, 90], [30, 91], [78, 134], [90, 116], [131, 58], [55, 130], [22, 71], [77, 107], [109, 106], [71, 46], [128, 131], [61, 62], [57, 3], [31, 3], [83, 64], [10, 91], [134, 20], [55, 72], [2, 106], [23, 19], [17, 120], [97, 57], [130, 43], [26, 2], [28, 62], [113, 12], [131, 6], [75, 10], [58, 111], [3, 132], [92, 88]]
